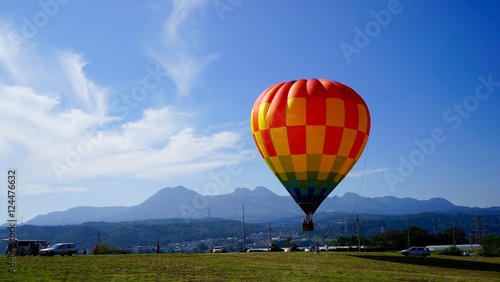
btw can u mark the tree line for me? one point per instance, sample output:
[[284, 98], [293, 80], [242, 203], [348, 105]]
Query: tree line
[[127, 235]]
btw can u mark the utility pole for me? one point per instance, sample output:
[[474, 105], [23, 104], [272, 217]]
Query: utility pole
[[345, 225], [471, 243], [479, 229], [454, 240], [244, 245], [157, 244], [270, 237], [357, 227], [408, 232]]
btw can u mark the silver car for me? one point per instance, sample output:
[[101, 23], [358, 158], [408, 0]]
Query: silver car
[[59, 249], [416, 251], [217, 249]]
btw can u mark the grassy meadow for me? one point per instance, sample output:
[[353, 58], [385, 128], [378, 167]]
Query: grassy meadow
[[299, 266]]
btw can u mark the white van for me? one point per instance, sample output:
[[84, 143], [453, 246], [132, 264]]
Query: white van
[[25, 247]]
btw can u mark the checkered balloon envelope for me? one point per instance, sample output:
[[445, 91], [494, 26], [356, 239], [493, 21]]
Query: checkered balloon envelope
[[310, 133]]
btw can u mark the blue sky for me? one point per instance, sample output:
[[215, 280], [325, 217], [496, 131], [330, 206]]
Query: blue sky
[[106, 102]]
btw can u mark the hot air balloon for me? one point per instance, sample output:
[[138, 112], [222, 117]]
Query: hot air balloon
[[310, 133]]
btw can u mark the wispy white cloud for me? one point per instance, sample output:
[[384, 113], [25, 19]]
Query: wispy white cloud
[[182, 20], [181, 153], [93, 96], [181, 55], [155, 127], [35, 189], [367, 172], [55, 116]]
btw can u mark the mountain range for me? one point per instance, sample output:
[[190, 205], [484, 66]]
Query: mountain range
[[259, 205]]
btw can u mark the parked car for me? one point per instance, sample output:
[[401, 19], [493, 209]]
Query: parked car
[[257, 250], [310, 249], [25, 247], [217, 249], [293, 249], [275, 248], [416, 251], [59, 249]]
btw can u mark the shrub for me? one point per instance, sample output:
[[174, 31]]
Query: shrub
[[491, 245], [451, 251], [105, 249]]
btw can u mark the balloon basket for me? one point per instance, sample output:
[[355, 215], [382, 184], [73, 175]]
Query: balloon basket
[[307, 224]]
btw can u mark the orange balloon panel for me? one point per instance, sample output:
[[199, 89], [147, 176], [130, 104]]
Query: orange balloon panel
[[310, 133]]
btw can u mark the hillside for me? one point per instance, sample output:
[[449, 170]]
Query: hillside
[[261, 205]]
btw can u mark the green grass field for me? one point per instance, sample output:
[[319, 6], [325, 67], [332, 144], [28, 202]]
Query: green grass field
[[253, 267]]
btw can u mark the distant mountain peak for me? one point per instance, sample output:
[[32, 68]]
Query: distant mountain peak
[[241, 190], [350, 196], [263, 191], [260, 203], [259, 191]]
